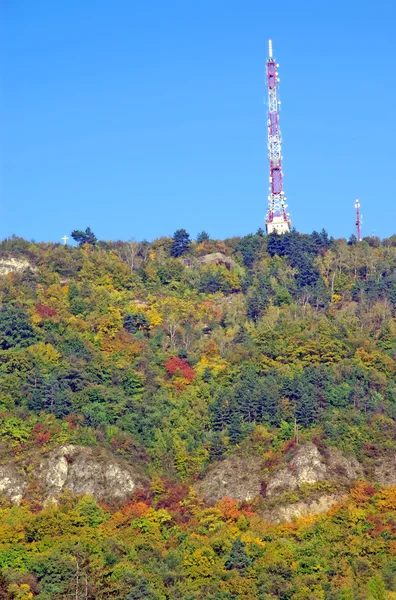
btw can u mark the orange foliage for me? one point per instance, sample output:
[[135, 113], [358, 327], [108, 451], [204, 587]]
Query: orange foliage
[[362, 492], [229, 509], [122, 343]]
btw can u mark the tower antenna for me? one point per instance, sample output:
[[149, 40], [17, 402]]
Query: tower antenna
[[278, 219], [358, 221]]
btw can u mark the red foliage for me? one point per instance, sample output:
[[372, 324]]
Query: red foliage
[[44, 311], [175, 365], [41, 436], [362, 492], [288, 445], [72, 421], [143, 495], [372, 450], [172, 496]]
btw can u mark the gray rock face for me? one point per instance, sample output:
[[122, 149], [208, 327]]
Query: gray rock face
[[76, 469], [316, 506], [242, 478], [237, 477], [385, 471], [13, 265], [305, 467], [308, 466], [81, 471], [12, 484]]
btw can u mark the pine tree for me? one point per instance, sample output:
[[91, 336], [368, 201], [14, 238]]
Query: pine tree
[[238, 557], [84, 237], [203, 236], [181, 243]]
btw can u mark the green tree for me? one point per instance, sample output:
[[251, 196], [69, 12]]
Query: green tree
[[15, 329], [84, 237], [377, 588], [134, 322], [238, 557], [249, 246], [181, 243], [203, 236]]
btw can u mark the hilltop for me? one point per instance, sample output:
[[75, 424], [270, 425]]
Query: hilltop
[[166, 406]]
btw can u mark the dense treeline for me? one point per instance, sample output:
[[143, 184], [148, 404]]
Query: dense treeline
[[172, 353]]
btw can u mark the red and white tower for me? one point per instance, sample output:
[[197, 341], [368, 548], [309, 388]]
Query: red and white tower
[[278, 219], [358, 221]]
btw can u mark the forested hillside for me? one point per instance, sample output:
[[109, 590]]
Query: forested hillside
[[175, 357]]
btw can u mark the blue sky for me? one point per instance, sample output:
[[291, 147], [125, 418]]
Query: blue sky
[[138, 118]]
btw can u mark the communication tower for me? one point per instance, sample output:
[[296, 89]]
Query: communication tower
[[278, 219], [358, 221]]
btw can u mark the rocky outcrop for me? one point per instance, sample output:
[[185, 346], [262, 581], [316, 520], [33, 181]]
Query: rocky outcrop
[[85, 471], [12, 483], [385, 471], [308, 466], [77, 469], [14, 265], [244, 478], [237, 477], [217, 258], [294, 510]]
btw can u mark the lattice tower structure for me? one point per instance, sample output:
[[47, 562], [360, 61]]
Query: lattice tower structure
[[358, 221], [278, 219]]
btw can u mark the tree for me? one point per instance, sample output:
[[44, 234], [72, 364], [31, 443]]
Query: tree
[[181, 243], [238, 557], [129, 252], [249, 246], [203, 236], [134, 322], [84, 237], [15, 329], [377, 588]]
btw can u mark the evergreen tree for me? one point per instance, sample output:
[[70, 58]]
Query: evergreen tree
[[181, 243], [238, 557], [203, 236], [15, 329], [235, 429], [84, 237], [249, 246], [134, 322]]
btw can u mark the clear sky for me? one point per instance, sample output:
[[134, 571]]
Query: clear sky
[[137, 118]]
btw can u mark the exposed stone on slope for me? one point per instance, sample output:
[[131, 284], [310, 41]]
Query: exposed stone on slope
[[217, 258], [237, 477], [341, 468], [242, 478], [385, 471], [308, 466], [314, 506], [76, 469], [12, 484], [13, 265], [305, 467], [84, 471]]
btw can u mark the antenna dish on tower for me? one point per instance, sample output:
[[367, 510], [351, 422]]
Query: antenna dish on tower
[[278, 220]]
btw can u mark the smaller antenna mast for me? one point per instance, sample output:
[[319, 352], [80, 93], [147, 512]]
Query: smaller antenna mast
[[358, 221]]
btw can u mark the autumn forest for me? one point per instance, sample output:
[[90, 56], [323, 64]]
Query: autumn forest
[[177, 357]]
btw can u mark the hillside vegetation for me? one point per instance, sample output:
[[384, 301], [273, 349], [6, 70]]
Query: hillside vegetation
[[174, 357]]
